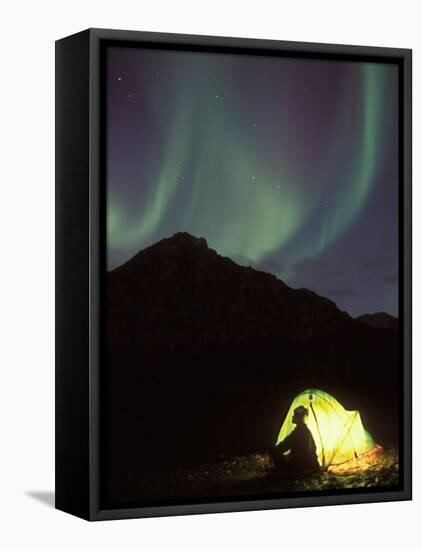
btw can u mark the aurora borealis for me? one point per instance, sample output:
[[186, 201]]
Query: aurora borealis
[[288, 165]]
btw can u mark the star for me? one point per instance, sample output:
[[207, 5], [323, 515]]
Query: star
[[119, 78]]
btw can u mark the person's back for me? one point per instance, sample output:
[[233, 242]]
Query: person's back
[[302, 456], [302, 449]]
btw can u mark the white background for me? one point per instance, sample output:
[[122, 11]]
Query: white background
[[27, 36]]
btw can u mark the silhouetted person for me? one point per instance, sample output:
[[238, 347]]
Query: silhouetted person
[[302, 458]]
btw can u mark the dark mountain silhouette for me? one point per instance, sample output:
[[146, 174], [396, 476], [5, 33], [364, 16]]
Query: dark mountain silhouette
[[204, 357], [179, 293], [379, 320]]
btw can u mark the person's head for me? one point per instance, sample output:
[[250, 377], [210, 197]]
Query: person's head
[[299, 415]]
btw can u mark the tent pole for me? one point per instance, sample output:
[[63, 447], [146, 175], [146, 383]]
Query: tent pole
[[319, 433]]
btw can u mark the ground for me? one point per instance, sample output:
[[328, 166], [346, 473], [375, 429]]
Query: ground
[[253, 475]]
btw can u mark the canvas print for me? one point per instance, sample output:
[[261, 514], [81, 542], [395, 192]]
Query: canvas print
[[251, 304]]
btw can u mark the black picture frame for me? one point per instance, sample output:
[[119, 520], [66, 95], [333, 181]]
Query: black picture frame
[[80, 243]]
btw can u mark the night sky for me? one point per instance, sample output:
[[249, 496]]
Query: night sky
[[288, 165]]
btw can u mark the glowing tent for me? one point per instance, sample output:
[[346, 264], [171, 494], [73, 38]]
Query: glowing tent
[[340, 438]]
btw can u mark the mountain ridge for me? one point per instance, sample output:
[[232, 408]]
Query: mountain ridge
[[379, 319], [182, 237], [214, 294]]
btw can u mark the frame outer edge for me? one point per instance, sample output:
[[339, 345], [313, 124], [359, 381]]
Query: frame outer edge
[[94, 272], [401, 55], [407, 268]]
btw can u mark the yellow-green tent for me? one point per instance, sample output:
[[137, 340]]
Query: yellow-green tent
[[339, 435]]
